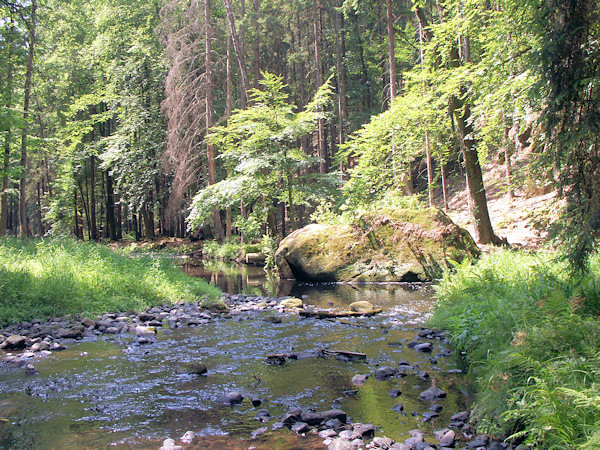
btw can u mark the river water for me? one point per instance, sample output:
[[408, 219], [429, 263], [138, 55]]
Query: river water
[[111, 393]]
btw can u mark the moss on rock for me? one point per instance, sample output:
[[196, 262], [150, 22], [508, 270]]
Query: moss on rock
[[385, 245]]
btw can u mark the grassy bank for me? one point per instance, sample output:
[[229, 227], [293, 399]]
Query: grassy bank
[[40, 278], [531, 338]]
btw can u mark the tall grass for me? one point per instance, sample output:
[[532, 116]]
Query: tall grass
[[531, 338], [48, 277]]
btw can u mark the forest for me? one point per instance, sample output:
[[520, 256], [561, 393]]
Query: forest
[[133, 118], [130, 121]]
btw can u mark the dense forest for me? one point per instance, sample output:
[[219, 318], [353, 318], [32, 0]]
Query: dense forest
[[115, 116]]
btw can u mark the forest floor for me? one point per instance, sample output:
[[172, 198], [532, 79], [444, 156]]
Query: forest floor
[[524, 221]]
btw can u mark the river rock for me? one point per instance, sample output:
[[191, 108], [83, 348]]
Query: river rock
[[145, 331], [169, 444], [315, 418], [386, 245], [425, 347], [30, 370], [70, 333], [383, 373], [382, 442], [446, 437], [145, 317], [87, 322], [361, 430], [300, 427], [341, 444], [479, 441], [363, 307], [292, 303], [258, 432], [328, 433], [433, 393], [192, 368], [40, 346], [14, 342], [359, 380], [189, 437], [398, 407], [462, 416], [263, 415], [291, 417], [231, 398]]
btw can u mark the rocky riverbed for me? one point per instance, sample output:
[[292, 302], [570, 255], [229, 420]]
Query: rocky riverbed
[[357, 375]]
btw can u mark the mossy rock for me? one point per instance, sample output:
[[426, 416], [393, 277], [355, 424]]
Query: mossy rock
[[292, 303], [385, 245], [363, 307]]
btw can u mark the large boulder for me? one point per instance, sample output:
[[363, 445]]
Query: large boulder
[[386, 245]]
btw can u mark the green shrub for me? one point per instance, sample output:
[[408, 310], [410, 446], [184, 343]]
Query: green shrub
[[227, 251], [531, 338], [51, 277]]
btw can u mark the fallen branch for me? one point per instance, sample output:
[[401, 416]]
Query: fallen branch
[[334, 315]]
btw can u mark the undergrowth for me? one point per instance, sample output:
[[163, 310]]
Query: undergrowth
[[531, 337], [50, 277]]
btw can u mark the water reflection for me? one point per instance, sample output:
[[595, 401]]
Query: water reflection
[[114, 392]]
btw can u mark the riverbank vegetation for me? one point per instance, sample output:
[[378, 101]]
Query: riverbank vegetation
[[531, 338], [43, 277]]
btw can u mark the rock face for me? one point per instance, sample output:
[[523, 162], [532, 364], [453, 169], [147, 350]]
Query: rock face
[[387, 245]]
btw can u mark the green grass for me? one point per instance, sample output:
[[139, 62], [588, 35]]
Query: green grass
[[49, 277], [531, 338]]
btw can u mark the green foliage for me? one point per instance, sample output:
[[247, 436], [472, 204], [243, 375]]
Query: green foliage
[[569, 61], [268, 246], [531, 338], [51, 277], [227, 251], [258, 147]]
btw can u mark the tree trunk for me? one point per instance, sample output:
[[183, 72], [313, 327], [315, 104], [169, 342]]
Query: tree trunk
[[321, 125], [110, 209], [8, 135], [444, 191], [427, 147], [210, 154], [507, 160], [341, 77], [256, 59], [92, 201], [391, 51], [461, 110], [24, 228], [238, 51]]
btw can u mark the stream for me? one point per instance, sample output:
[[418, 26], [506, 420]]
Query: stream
[[106, 391]]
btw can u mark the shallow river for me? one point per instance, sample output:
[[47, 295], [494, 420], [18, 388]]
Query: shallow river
[[109, 392]]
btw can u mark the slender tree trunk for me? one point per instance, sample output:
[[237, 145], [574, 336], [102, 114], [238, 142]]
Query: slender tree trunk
[[110, 209], [427, 147], [24, 228], [92, 201], [444, 191], [8, 135], [256, 59], [509, 189], [391, 51], [321, 125], [238, 51], [210, 154], [341, 78], [39, 210]]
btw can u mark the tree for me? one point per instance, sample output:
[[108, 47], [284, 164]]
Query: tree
[[258, 146], [570, 62]]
